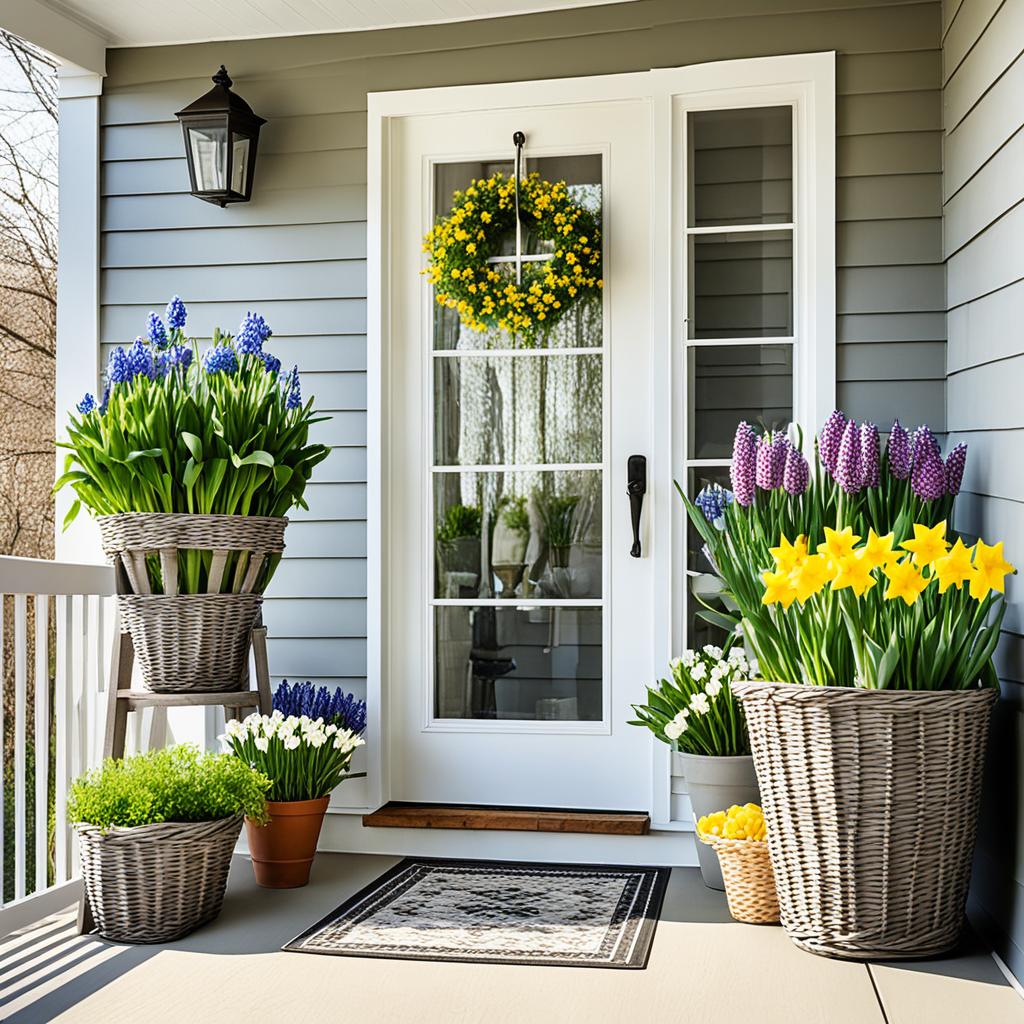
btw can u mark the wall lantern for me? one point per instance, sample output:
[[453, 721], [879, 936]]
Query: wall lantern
[[221, 133]]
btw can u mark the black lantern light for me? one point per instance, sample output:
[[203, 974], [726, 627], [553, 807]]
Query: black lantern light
[[221, 133]]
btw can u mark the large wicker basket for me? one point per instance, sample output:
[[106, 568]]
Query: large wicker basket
[[871, 802], [159, 882], [188, 642], [749, 881]]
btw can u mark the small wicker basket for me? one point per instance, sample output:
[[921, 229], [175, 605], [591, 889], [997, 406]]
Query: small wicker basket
[[749, 880], [156, 883]]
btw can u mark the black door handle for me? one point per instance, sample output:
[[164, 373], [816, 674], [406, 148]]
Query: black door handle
[[636, 488]]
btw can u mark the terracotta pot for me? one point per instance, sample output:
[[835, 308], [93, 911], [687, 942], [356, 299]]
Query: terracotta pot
[[282, 852]]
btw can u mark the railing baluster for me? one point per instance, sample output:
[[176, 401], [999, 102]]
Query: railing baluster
[[42, 738], [63, 719], [78, 664], [3, 748], [20, 778]]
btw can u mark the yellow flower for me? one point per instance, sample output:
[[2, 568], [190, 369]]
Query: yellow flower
[[954, 568], [855, 573], [778, 588], [878, 550], [989, 569], [485, 216], [904, 581], [471, 248], [838, 543], [810, 576], [929, 542], [787, 555]]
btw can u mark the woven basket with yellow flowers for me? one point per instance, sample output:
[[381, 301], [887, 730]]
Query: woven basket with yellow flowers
[[738, 837], [481, 218]]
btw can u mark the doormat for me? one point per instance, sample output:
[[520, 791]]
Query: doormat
[[497, 912]]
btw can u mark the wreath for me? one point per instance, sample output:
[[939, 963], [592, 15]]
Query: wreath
[[459, 246]]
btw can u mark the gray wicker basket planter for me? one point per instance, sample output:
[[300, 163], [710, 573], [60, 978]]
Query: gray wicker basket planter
[[871, 801], [188, 642], [159, 882]]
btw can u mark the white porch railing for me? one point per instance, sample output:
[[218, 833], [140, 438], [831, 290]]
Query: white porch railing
[[56, 626]]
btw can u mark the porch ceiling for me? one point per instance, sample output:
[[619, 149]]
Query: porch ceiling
[[156, 22]]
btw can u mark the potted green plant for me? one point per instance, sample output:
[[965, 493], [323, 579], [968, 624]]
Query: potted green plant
[[557, 514], [874, 629], [155, 837], [458, 540], [509, 542], [190, 463], [305, 759], [696, 713]]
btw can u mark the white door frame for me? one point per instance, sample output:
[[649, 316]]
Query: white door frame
[[805, 80]]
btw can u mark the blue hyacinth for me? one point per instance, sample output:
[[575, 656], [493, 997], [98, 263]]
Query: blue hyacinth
[[712, 501], [119, 368], [179, 355], [294, 399], [253, 331], [176, 314], [106, 401], [87, 404], [156, 331], [272, 363], [141, 359], [345, 710], [221, 359]]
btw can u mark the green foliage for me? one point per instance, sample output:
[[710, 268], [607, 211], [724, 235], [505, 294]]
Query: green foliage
[[459, 521], [175, 784], [558, 514], [515, 515]]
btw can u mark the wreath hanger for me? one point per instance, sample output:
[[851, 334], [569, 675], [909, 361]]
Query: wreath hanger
[[519, 140]]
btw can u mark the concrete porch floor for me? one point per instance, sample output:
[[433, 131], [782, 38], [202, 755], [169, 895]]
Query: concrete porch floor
[[703, 967]]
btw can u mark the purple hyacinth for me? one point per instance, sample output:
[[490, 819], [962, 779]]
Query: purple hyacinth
[[87, 404], [764, 464], [221, 359], [925, 444], [929, 476], [141, 359], [176, 314], [829, 439], [294, 399], [780, 448], [796, 474], [743, 469], [344, 710], [156, 331], [870, 455], [119, 367], [956, 462], [900, 458], [272, 363], [253, 331], [848, 465]]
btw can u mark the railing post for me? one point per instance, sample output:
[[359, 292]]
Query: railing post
[[42, 739], [20, 777]]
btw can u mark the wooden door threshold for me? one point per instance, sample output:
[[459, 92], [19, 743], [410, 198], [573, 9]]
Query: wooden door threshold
[[508, 819]]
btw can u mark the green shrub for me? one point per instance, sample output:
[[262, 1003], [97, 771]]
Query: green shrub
[[176, 784], [515, 515], [459, 521]]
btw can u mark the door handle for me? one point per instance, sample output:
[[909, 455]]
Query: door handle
[[636, 488]]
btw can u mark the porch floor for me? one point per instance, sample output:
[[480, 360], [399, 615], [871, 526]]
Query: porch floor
[[703, 966]]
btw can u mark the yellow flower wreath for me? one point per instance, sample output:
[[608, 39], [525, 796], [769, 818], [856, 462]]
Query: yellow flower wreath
[[460, 244]]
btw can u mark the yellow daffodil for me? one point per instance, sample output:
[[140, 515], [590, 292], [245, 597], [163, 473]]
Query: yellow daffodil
[[928, 544], [905, 580], [810, 576], [954, 568], [878, 550], [990, 568], [787, 555], [778, 588], [838, 543], [855, 573]]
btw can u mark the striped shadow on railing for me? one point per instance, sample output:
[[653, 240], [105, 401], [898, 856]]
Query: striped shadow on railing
[[56, 626]]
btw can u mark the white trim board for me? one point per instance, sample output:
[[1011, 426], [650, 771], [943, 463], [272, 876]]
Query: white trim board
[[807, 82]]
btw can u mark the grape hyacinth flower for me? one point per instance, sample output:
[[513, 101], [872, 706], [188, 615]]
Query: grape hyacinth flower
[[929, 475], [272, 363], [86, 405], [294, 399], [106, 401], [797, 473], [901, 459], [179, 355], [743, 469], [956, 462], [119, 367], [713, 501], [870, 455], [829, 440], [344, 710], [848, 473], [253, 331], [156, 331], [220, 359], [176, 314], [141, 359]]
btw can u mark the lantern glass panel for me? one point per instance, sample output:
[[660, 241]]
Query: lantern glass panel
[[239, 162], [209, 157]]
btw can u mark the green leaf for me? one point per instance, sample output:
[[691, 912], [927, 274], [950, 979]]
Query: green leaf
[[259, 458], [191, 474], [72, 512], [194, 445], [147, 453]]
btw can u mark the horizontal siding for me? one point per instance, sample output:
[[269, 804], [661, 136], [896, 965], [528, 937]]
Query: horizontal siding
[[983, 151]]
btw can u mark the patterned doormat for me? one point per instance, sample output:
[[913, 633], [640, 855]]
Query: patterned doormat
[[564, 915]]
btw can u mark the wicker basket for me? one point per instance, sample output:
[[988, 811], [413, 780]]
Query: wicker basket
[[159, 882], [191, 642], [749, 881], [871, 802]]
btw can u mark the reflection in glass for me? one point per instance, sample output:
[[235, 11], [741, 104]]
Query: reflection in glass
[[730, 383], [209, 152], [523, 534], [703, 584], [742, 167], [239, 163], [518, 664], [499, 411], [741, 285]]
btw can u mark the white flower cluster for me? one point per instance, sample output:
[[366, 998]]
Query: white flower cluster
[[291, 731], [694, 667]]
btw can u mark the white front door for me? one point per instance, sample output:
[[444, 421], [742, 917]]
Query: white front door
[[517, 626]]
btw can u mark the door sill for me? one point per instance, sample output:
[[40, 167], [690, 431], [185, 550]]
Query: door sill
[[398, 814]]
